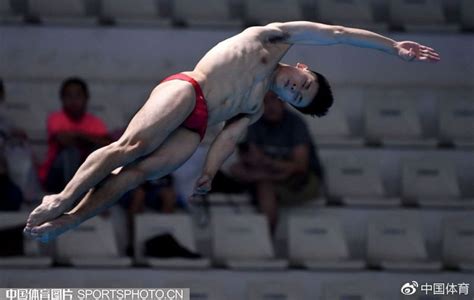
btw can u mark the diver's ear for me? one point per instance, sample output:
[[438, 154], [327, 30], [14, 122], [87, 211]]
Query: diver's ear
[[302, 66]]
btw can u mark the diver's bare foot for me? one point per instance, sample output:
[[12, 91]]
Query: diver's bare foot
[[51, 229], [50, 208]]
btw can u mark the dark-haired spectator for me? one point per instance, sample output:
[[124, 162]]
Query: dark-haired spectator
[[73, 133], [279, 159]]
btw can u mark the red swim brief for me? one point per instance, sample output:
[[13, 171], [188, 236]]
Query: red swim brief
[[197, 120]]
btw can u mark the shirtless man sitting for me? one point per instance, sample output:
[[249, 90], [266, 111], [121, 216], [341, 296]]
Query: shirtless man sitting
[[227, 85]]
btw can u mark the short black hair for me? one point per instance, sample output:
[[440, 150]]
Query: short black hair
[[73, 80], [323, 100]]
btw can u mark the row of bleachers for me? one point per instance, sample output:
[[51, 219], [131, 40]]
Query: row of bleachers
[[221, 284], [242, 242], [410, 15], [377, 178], [388, 116], [396, 121], [423, 181]]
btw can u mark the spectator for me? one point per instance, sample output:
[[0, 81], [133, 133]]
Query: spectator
[[73, 133], [279, 159]]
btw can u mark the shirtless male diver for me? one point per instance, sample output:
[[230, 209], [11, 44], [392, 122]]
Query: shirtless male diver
[[227, 85]]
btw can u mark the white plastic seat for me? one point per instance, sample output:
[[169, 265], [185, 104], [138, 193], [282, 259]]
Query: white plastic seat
[[354, 13], [137, 12], [61, 12], [333, 129], [419, 15], [467, 14], [179, 226], [33, 257], [431, 182], [391, 119], [267, 11], [395, 242], [7, 15], [271, 289], [243, 242], [92, 244], [357, 182], [458, 243], [357, 290], [319, 243], [208, 12], [456, 120]]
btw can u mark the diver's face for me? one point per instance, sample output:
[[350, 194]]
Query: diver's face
[[296, 85]]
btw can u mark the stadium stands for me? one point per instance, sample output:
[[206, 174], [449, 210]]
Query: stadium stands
[[60, 12], [353, 13], [267, 11], [207, 13], [458, 243], [142, 12], [243, 242], [429, 182], [388, 236], [148, 226], [333, 130], [391, 119], [419, 15], [92, 244], [456, 120], [354, 181], [319, 244]]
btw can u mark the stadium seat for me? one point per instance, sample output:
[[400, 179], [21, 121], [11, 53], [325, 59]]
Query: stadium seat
[[272, 289], [419, 15], [353, 181], [332, 130], [456, 120], [319, 243], [360, 290], [243, 242], [467, 14], [72, 12], [395, 242], [432, 182], [92, 244], [458, 243], [205, 13], [138, 12], [267, 11], [32, 258], [7, 15], [391, 119], [353, 13], [180, 227]]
